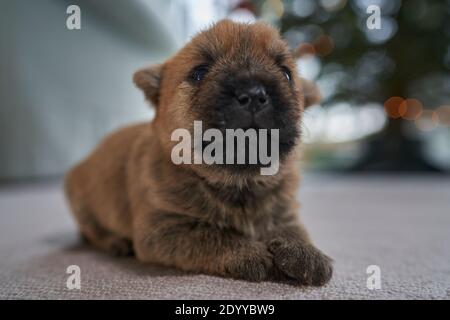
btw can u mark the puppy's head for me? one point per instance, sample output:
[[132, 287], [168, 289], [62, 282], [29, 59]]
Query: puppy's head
[[231, 76]]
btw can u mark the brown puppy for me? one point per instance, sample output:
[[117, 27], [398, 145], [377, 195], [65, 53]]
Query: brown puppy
[[226, 220]]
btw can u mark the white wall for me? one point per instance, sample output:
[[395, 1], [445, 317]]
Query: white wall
[[61, 90]]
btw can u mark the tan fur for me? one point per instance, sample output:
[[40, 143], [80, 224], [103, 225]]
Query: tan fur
[[129, 196]]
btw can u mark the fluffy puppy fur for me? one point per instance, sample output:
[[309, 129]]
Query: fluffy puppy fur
[[128, 196]]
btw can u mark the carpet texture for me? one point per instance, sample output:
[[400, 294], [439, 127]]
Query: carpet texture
[[401, 224]]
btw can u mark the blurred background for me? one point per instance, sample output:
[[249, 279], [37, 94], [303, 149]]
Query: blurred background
[[386, 92], [382, 128]]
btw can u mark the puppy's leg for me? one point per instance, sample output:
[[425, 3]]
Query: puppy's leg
[[101, 238], [91, 229], [297, 257], [192, 245]]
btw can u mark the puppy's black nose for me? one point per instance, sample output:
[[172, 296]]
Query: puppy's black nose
[[254, 98]]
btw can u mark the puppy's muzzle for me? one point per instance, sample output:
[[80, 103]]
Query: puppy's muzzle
[[254, 99], [250, 106]]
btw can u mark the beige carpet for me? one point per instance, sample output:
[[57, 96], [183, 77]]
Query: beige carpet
[[401, 224]]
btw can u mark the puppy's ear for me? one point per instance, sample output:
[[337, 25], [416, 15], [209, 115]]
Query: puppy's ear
[[149, 80], [311, 92]]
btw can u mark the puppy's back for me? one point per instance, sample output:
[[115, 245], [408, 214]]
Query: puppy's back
[[96, 187]]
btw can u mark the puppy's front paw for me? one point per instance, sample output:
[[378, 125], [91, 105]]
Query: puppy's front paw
[[303, 262], [252, 263]]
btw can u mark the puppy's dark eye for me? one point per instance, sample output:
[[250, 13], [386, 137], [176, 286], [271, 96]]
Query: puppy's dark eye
[[199, 73], [287, 73]]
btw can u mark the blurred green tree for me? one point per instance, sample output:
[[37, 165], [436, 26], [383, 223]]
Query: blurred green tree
[[409, 57]]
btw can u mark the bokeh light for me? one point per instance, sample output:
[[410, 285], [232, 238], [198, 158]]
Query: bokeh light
[[443, 113], [303, 8], [273, 7], [410, 109], [309, 67], [333, 5], [304, 49], [392, 107], [342, 122], [385, 33], [427, 120], [323, 45]]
